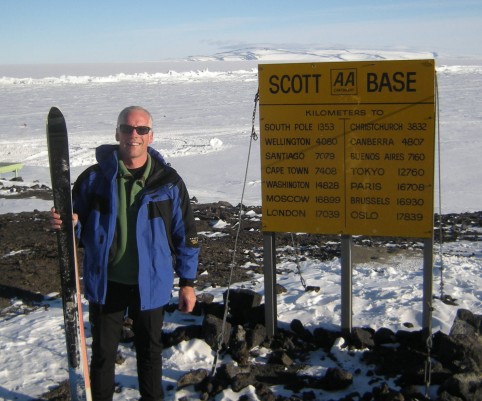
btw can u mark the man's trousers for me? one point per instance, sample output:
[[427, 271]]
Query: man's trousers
[[106, 324]]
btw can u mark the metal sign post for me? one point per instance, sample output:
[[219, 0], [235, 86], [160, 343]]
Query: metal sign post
[[346, 284], [269, 266], [427, 284]]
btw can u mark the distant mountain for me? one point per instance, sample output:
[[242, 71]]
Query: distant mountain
[[271, 54]]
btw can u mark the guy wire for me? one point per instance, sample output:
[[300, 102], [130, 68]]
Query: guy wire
[[440, 227], [220, 338]]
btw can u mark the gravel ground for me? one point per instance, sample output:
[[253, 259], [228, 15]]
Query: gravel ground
[[29, 265]]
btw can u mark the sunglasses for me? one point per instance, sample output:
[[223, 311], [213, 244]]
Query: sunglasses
[[127, 129]]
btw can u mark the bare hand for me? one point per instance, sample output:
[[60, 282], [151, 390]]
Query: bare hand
[[187, 299], [56, 221]]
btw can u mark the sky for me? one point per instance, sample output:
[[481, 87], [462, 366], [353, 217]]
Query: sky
[[59, 31]]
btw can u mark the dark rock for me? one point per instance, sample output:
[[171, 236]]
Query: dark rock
[[412, 393], [264, 392], [241, 381], [127, 335], [255, 316], [438, 373], [215, 309], [241, 303], [242, 299], [212, 331], [255, 336], [466, 323], [273, 374], [238, 347], [299, 329], [282, 340], [391, 362], [361, 338], [384, 336], [461, 353], [181, 333], [209, 387], [466, 386], [444, 396], [417, 373], [325, 338], [58, 393], [205, 297], [413, 339], [280, 358], [238, 335], [119, 358], [194, 377], [227, 372], [335, 379], [280, 289]]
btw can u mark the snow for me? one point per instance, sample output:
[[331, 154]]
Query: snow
[[202, 112]]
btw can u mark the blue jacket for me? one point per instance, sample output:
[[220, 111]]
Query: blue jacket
[[166, 233]]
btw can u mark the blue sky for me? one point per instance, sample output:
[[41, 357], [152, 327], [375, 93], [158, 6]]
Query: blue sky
[[53, 31]]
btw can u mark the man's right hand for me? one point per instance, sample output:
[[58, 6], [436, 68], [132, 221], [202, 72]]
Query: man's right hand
[[56, 222]]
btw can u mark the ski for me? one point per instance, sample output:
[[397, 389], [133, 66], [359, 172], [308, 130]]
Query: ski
[[58, 149]]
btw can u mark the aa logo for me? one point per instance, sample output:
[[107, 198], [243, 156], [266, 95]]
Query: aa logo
[[344, 82]]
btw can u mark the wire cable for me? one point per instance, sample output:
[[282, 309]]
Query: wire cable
[[253, 137]]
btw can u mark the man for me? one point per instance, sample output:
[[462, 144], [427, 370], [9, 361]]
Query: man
[[134, 220]]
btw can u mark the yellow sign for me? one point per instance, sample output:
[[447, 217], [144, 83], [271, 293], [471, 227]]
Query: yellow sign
[[348, 147]]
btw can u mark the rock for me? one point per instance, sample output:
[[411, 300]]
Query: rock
[[264, 392], [384, 336], [464, 386], [212, 328], [461, 353], [280, 358], [194, 377], [466, 323], [205, 297], [461, 350], [181, 333], [361, 338], [255, 316], [335, 379], [238, 347], [325, 338], [414, 339], [229, 371], [299, 329], [119, 358], [255, 336], [279, 289], [444, 396], [241, 381], [242, 299]]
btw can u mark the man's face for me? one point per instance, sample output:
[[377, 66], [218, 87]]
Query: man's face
[[133, 146]]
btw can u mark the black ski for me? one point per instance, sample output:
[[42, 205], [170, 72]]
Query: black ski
[[58, 148]]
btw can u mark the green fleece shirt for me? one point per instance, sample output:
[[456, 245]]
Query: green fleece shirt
[[124, 268]]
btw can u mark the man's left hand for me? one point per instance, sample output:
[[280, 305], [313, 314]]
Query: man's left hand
[[187, 299]]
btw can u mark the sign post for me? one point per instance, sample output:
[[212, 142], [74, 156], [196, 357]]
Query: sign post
[[348, 147], [269, 257], [346, 283]]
